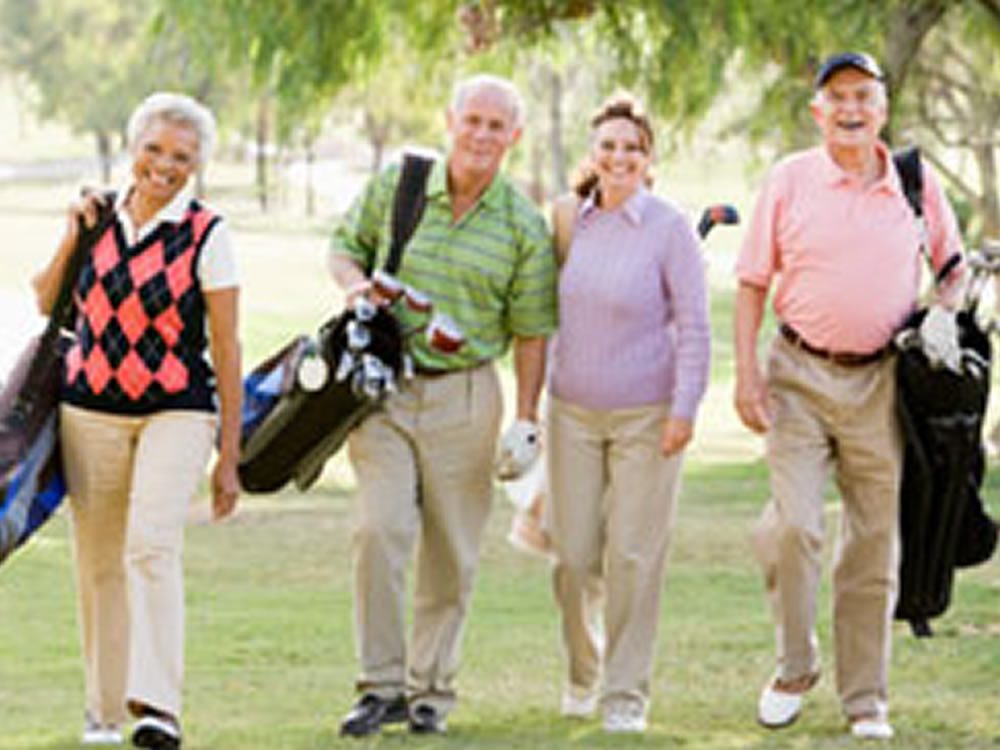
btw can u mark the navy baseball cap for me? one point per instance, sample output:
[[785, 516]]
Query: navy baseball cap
[[841, 60]]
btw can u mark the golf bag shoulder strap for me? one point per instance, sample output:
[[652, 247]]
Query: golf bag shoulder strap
[[407, 205], [911, 178], [62, 313]]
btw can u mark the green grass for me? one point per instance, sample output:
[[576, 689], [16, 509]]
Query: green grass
[[270, 660]]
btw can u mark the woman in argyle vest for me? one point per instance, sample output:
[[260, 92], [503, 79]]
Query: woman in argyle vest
[[153, 373]]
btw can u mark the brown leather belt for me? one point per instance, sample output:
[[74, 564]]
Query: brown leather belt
[[437, 372], [845, 359], [432, 372]]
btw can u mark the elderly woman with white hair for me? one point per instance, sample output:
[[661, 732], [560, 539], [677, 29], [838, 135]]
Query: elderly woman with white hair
[[153, 374]]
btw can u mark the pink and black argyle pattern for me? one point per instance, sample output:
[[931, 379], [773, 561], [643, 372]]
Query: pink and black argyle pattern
[[140, 331]]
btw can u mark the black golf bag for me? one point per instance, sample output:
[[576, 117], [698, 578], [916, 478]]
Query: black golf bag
[[31, 476], [289, 432], [943, 524], [290, 429]]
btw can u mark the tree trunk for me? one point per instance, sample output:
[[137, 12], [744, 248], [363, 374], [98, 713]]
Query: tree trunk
[[103, 139], [310, 187], [989, 199], [909, 22], [378, 137], [557, 149], [263, 131], [536, 189]]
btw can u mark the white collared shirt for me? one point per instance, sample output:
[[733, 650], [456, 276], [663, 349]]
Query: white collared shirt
[[217, 262]]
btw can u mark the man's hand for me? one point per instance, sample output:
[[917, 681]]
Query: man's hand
[[519, 449], [939, 335], [751, 402]]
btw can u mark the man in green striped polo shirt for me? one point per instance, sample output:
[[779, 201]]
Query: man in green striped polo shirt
[[423, 463]]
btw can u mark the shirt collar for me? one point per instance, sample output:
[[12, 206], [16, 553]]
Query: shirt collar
[[437, 185], [173, 212], [632, 209], [834, 174]]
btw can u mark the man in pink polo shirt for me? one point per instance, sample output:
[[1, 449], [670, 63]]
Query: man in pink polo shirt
[[835, 233]]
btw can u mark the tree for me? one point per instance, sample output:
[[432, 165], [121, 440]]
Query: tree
[[955, 104], [90, 63], [301, 53], [682, 55]]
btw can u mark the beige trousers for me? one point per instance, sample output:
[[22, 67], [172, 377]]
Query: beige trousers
[[424, 471], [613, 496], [130, 481], [828, 417]]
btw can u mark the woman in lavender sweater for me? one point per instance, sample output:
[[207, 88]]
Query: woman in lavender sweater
[[629, 368]]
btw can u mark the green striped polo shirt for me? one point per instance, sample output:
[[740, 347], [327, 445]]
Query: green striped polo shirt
[[493, 272]]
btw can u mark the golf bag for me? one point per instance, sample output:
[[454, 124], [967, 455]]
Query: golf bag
[[31, 478], [290, 427], [943, 524]]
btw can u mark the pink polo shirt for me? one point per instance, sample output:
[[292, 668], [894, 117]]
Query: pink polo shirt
[[847, 258]]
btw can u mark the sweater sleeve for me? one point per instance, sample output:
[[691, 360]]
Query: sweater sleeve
[[685, 279]]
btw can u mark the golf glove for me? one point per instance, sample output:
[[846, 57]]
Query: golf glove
[[939, 336], [519, 449]]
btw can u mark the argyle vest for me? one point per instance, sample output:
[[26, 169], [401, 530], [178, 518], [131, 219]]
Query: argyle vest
[[140, 328]]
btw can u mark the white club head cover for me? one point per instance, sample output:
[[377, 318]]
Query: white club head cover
[[519, 449], [939, 335]]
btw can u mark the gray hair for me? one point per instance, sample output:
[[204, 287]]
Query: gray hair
[[179, 109], [480, 81]]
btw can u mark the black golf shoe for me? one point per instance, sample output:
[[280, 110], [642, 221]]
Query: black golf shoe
[[425, 720], [371, 712], [156, 733]]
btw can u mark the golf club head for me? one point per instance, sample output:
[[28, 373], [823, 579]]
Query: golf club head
[[312, 374], [416, 300], [719, 213], [364, 309], [444, 335], [387, 286], [358, 336]]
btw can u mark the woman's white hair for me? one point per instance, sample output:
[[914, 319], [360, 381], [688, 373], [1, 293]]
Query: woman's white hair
[[179, 109], [480, 81]]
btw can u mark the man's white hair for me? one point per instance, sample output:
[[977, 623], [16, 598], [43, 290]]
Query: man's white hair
[[179, 109], [481, 81]]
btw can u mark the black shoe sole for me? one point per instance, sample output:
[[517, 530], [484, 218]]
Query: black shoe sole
[[395, 712], [154, 739]]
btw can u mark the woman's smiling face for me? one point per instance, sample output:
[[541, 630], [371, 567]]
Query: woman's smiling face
[[620, 156], [164, 157]]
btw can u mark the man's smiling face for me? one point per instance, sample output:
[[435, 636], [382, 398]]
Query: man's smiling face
[[850, 109]]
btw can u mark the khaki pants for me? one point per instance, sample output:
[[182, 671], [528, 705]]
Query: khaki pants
[[130, 481], [613, 496], [424, 470], [828, 417]]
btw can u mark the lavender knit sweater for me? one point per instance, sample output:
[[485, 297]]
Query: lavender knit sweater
[[633, 311]]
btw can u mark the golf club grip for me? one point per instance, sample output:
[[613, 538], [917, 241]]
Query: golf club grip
[[720, 213]]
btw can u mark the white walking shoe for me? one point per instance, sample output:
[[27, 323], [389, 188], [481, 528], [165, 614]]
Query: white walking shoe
[[777, 708], [578, 703], [627, 717], [872, 729], [95, 733]]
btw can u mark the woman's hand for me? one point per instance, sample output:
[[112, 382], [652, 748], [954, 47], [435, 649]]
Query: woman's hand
[[677, 434], [225, 488], [48, 280]]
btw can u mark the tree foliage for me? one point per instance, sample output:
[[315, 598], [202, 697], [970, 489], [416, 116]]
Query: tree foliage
[[90, 63]]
